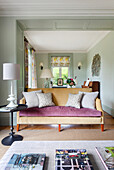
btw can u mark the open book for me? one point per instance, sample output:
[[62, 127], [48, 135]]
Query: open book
[[106, 155], [70, 159]]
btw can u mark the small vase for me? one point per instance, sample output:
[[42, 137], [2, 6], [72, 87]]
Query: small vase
[[68, 86]]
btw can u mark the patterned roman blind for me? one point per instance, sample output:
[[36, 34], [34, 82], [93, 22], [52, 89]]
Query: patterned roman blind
[[60, 61]]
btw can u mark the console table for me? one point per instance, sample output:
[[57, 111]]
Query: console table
[[8, 140]]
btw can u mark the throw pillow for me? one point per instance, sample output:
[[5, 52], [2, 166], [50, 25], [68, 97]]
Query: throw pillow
[[74, 100], [45, 99], [31, 98], [88, 99]]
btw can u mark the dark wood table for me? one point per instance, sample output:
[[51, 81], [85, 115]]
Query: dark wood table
[[8, 140]]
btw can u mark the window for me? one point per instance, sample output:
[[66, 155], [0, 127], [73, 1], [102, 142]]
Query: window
[[60, 67], [60, 72]]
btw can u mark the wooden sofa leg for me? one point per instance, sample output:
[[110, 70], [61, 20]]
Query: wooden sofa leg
[[17, 127], [59, 127], [102, 127]]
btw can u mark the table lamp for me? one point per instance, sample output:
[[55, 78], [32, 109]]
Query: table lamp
[[46, 73], [11, 72]]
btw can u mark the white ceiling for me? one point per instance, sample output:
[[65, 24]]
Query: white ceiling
[[74, 41], [57, 7]]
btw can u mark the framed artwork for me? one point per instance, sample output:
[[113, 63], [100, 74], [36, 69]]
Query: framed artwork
[[60, 82], [96, 65]]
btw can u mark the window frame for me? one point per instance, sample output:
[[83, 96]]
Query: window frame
[[65, 55], [60, 71]]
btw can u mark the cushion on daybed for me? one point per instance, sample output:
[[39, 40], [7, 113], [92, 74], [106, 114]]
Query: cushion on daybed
[[74, 100], [60, 111], [45, 99], [88, 99], [31, 98]]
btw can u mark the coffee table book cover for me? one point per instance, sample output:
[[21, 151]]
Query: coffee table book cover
[[26, 161], [72, 159], [106, 155]]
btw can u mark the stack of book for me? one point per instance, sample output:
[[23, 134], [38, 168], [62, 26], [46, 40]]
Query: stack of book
[[71, 159], [26, 161]]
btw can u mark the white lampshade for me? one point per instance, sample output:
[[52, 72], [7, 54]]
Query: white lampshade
[[11, 71], [46, 73], [79, 64], [41, 64]]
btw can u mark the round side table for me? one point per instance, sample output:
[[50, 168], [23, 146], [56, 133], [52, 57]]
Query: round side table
[[8, 140]]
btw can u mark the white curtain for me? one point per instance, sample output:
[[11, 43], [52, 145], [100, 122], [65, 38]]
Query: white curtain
[[34, 74]]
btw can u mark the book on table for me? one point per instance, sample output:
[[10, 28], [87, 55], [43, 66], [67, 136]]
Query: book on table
[[106, 155], [72, 159], [26, 161]]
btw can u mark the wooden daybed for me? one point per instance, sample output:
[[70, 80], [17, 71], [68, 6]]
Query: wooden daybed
[[60, 97]]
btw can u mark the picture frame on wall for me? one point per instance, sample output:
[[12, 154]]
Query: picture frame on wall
[[60, 82]]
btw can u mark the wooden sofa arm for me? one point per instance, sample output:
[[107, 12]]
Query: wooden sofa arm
[[22, 101], [99, 108], [98, 105]]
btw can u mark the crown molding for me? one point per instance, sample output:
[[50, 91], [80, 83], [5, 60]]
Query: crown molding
[[60, 51], [56, 13], [58, 8]]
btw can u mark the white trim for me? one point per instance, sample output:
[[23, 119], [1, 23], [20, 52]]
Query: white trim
[[60, 72], [59, 51], [58, 8], [12, 13]]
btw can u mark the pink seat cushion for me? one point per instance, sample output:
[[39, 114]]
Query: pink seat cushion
[[58, 111]]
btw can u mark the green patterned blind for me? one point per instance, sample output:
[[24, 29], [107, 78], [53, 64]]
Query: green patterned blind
[[60, 61]]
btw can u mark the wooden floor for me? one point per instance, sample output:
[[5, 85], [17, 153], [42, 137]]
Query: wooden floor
[[109, 124]]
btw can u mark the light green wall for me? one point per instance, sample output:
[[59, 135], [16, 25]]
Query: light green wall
[[7, 54], [20, 60], [11, 50], [105, 48], [76, 57], [41, 57], [81, 74]]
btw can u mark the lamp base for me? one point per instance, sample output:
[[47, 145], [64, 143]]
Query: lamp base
[[46, 83], [10, 139], [12, 105], [11, 99]]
